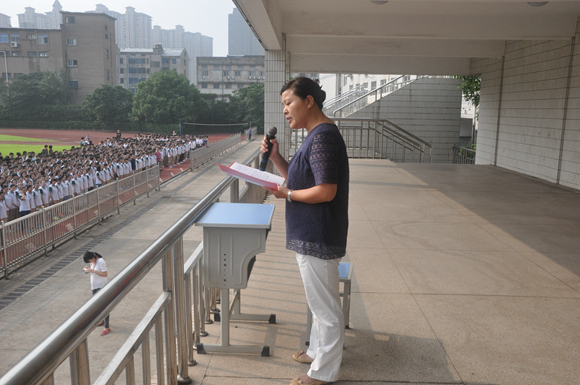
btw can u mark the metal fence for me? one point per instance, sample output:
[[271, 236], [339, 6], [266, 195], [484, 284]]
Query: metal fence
[[202, 155], [177, 319], [374, 139], [463, 155], [30, 236]]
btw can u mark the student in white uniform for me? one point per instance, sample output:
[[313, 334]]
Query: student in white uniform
[[97, 268]]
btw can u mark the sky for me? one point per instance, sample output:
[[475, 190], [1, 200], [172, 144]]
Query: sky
[[209, 17]]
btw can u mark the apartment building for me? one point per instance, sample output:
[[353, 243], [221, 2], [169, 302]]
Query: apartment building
[[5, 21], [241, 39], [195, 43], [89, 51], [30, 50], [137, 64], [224, 75], [49, 20], [133, 28]]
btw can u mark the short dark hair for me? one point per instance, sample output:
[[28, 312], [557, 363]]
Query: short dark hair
[[302, 87], [90, 255]]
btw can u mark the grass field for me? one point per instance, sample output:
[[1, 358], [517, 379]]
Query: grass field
[[6, 149], [13, 138]]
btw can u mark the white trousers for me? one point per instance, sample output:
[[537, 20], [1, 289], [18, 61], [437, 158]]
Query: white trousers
[[321, 284]]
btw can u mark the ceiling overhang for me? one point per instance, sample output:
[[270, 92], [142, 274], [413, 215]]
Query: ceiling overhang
[[402, 36]]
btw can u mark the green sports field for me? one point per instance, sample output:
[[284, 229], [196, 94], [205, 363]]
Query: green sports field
[[19, 146]]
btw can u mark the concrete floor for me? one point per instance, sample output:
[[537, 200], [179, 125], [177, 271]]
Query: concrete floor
[[462, 275]]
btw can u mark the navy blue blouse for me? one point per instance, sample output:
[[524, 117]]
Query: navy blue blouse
[[319, 230]]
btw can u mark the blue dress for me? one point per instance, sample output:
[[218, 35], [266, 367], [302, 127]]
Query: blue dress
[[319, 230]]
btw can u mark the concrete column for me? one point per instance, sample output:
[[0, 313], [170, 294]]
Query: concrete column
[[277, 73]]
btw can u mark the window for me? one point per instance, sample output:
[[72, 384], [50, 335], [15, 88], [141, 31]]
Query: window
[[258, 73], [71, 63], [71, 42], [122, 80], [43, 54], [69, 20], [204, 73], [142, 79], [108, 74], [238, 73], [107, 36], [16, 53], [250, 73], [147, 70], [373, 85], [203, 85], [15, 37], [383, 81], [184, 62], [155, 64], [42, 39], [225, 73], [228, 86], [141, 70], [106, 53], [4, 76], [133, 70], [4, 38], [106, 27], [16, 76], [345, 80], [216, 85], [121, 61], [32, 53], [73, 84], [31, 36], [121, 70], [137, 61], [165, 61], [133, 80], [173, 61]]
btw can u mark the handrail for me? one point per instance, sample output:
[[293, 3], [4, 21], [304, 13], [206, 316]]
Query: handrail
[[70, 337], [463, 155], [368, 93]]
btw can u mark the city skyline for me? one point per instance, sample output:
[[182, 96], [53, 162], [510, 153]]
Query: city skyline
[[210, 19]]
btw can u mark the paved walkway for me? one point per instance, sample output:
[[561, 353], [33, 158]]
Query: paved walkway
[[462, 275]]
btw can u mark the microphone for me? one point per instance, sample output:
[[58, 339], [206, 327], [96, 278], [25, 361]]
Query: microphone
[[272, 131]]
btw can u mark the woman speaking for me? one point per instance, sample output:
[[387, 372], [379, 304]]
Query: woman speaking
[[316, 221]]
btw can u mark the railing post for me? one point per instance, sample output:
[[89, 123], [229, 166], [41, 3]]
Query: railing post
[[134, 191], [235, 191], [118, 197], [43, 210], [4, 253], [171, 363], [178, 282], [74, 205], [79, 365], [98, 205]]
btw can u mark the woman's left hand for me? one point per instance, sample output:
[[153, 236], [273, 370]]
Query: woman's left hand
[[281, 193]]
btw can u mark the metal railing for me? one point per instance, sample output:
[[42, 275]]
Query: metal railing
[[183, 305], [31, 236], [463, 155], [374, 139], [355, 101], [202, 155]]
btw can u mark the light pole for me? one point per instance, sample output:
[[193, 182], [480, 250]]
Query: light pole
[[6, 66]]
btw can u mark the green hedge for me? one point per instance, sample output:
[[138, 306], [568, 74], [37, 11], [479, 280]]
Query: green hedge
[[114, 126]]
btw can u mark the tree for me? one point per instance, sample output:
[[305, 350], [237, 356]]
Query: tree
[[166, 97], [248, 106], [471, 86], [109, 104], [36, 90], [217, 111]]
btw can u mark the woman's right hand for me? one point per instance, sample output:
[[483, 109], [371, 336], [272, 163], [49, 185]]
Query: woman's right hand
[[264, 147]]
